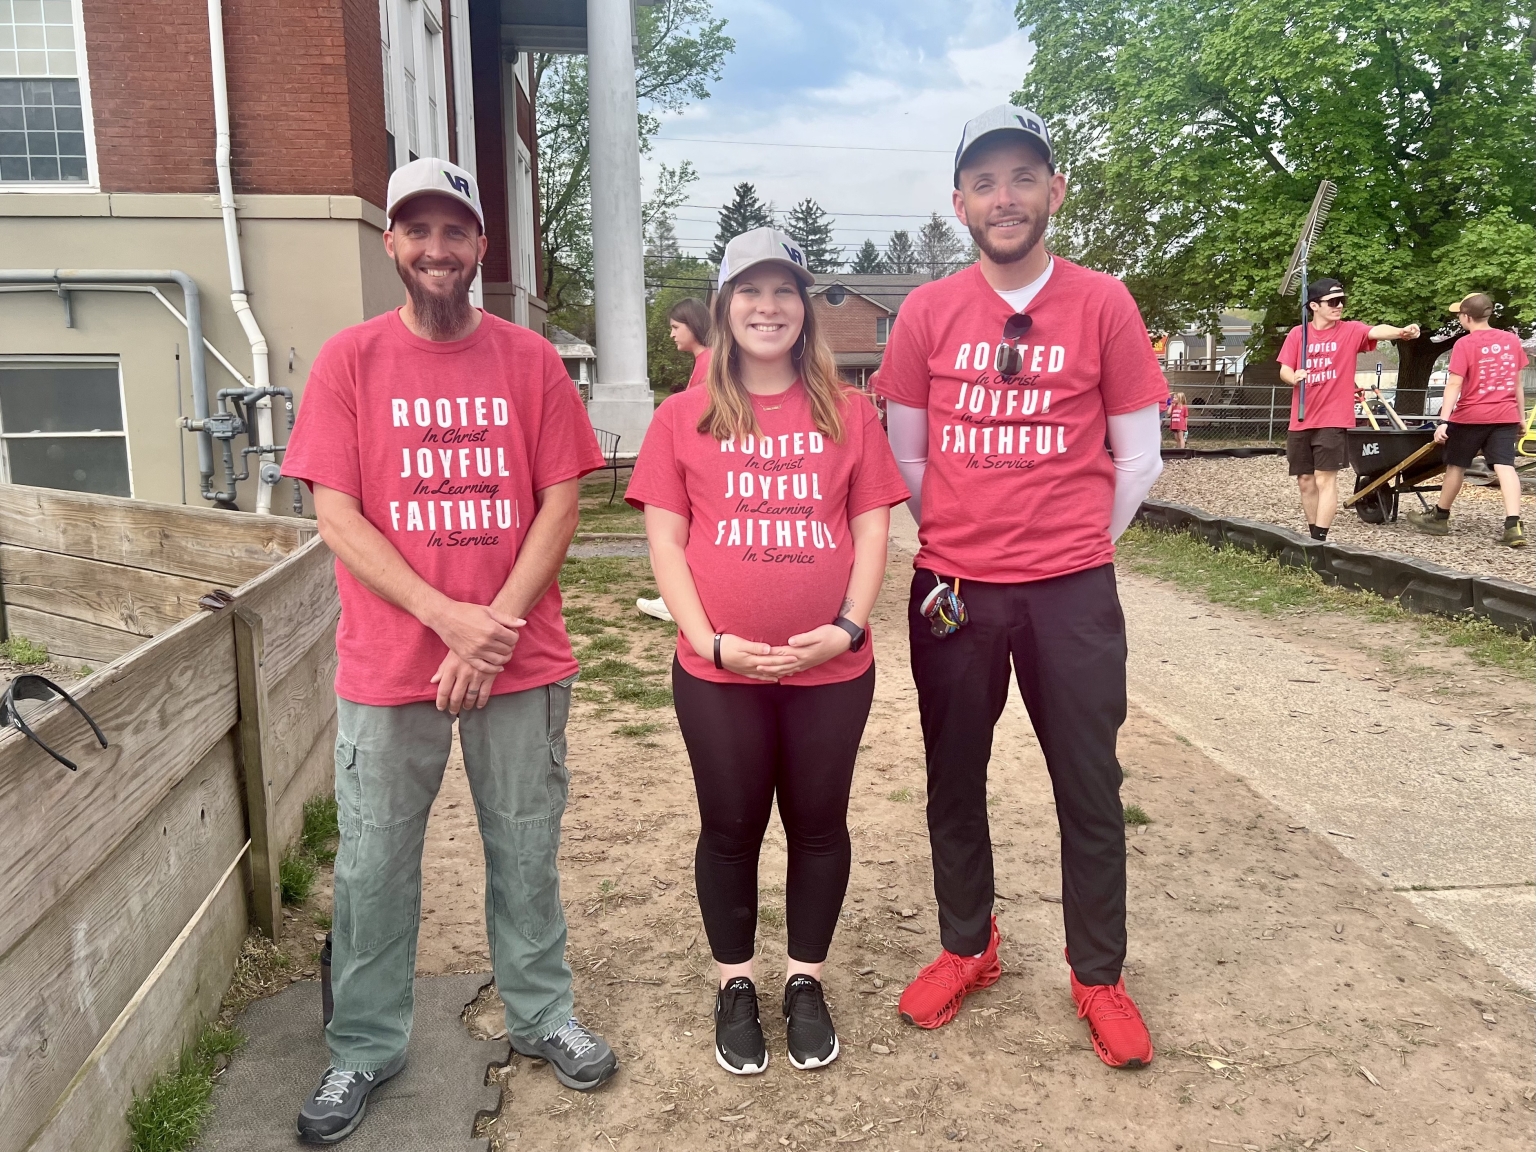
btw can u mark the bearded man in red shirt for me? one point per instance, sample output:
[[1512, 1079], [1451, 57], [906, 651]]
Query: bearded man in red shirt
[[1003, 384]]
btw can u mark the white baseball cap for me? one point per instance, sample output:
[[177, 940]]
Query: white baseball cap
[[434, 176], [1004, 118], [764, 246]]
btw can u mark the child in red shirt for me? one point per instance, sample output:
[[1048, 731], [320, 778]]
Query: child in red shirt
[[1178, 418], [767, 496]]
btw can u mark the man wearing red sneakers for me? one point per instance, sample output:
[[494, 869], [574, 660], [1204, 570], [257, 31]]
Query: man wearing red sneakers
[[1003, 384]]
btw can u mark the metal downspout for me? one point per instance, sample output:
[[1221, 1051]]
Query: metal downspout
[[260, 374]]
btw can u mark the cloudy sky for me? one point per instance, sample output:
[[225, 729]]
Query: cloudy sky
[[881, 88]]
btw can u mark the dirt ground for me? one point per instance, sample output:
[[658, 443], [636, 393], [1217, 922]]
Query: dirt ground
[[1295, 1002]]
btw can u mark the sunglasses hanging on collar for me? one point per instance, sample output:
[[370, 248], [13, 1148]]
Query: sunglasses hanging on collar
[[1009, 361], [30, 686]]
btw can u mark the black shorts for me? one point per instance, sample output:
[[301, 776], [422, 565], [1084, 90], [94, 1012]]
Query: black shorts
[[1495, 441], [1316, 450]]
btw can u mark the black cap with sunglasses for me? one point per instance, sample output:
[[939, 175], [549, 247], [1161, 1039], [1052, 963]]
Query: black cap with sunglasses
[[1319, 290]]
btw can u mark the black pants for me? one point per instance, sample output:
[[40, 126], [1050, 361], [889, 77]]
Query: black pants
[[746, 742], [1066, 640]]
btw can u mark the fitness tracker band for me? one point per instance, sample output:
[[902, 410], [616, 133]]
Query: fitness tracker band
[[718, 637], [856, 635]]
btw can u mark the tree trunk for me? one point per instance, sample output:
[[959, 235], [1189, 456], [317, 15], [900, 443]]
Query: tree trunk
[[1415, 360]]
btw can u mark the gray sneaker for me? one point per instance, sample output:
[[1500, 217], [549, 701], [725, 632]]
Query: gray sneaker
[[338, 1104], [581, 1059]]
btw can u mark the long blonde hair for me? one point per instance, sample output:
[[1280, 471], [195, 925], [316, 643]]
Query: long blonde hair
[[729, 411]]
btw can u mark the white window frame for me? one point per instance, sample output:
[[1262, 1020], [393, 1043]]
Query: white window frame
[[889, 322], [463, 86], [414, 28], [69, 361], [83, 75]]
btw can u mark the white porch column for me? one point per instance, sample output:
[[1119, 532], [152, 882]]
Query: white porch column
[[621, 394]]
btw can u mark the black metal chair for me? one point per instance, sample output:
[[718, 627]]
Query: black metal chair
[[608, 442]]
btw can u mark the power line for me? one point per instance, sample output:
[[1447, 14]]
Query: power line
[[828, 211], [774, 144]]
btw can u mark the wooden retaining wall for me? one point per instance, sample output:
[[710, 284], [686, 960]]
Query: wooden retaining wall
[[126, 888]]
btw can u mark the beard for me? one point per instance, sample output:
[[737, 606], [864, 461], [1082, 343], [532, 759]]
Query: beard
[[1034, 230], [442, 315]]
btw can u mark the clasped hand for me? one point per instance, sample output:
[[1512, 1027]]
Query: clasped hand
[[774, 662], [480, 641]]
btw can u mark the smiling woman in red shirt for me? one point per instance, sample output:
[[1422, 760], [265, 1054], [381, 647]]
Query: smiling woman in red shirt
[[767, 495]]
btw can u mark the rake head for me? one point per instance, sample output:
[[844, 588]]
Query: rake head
[[1316, 216]]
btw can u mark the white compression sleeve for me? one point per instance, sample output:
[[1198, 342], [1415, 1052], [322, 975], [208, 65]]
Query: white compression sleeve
[[908, 431], [1136, 443]]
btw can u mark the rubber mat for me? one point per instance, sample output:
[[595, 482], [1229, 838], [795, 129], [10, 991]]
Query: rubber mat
[[431, 1106]]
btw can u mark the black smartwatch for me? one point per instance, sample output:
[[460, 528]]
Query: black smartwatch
[[856, 635]]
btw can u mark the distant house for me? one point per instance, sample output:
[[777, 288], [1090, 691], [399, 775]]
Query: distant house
[[856, 314], [1192, 350], [579, 357]]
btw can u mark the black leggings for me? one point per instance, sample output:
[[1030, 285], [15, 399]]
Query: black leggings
[[747, 741]]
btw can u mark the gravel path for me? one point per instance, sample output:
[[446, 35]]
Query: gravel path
[[1259, 489]]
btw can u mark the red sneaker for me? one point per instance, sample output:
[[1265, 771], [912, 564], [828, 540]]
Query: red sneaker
[[1119, 1035], [932, 1000]]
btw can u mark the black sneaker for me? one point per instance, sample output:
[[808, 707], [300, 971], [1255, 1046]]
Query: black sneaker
[[739, 1047], [581, 1059], [337, 1105], [807, 1024]]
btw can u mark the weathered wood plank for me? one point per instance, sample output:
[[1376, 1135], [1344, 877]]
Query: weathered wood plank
[[113, 595], [164, 1014], [69, 640], [297, 603], [65, 982], [256, 760], [162, 707], [298, 707], [316, 776], [227, 548]]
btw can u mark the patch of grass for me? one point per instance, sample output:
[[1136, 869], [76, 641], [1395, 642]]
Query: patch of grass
[[597, 515], [637, 731], [582, 621], [169, 1117], [87, 670], [600, 574], [20, 650], [630, 683], [609, 642], [771, 916], [901, 795], [320, 828], [296, 876], [1135, 814], [1251, 580]]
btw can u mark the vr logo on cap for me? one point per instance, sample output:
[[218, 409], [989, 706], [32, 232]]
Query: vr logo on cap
[[1031, 124], [459, 184], [793, 254]]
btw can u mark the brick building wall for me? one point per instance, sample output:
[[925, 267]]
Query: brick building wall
[[849, 326], [305, 89]]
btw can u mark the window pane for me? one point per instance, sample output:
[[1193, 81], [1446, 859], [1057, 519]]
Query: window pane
[[42, 106], [60, 398], [77, 465]]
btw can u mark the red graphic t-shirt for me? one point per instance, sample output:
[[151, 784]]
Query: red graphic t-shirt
[[768, 539], [1488, 362], [444, 444], [1178, 418], [1019, 484], [1331, 356], [700, 369]]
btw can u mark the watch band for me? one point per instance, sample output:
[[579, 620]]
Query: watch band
[[718, 637], [856, 635]]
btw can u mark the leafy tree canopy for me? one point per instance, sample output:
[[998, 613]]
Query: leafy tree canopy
[[812, 227], [1195, 133], [867, 261], [682, 49], [900, 255], [744, 213]]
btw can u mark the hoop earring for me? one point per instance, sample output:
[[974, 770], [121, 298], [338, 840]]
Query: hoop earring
[[799, 349]]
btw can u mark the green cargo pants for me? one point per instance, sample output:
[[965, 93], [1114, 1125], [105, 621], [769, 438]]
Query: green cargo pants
[[389, 767]]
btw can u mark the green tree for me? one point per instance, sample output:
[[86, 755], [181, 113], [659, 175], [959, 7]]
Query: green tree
[[682, 49], [939, 250], [744, 213], [900, 255], [812, 227], [1196, 132], [867, 261]]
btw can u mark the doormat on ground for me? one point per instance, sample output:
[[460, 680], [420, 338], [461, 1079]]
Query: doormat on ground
[[431, 1106]]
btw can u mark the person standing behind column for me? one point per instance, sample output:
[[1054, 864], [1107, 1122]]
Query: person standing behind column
[[1317, 447], [449, 610], [767, 497], [1003, 382], [1483, 411]]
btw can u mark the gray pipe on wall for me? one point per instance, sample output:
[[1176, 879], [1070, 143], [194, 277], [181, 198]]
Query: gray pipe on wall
[[63, 277]]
